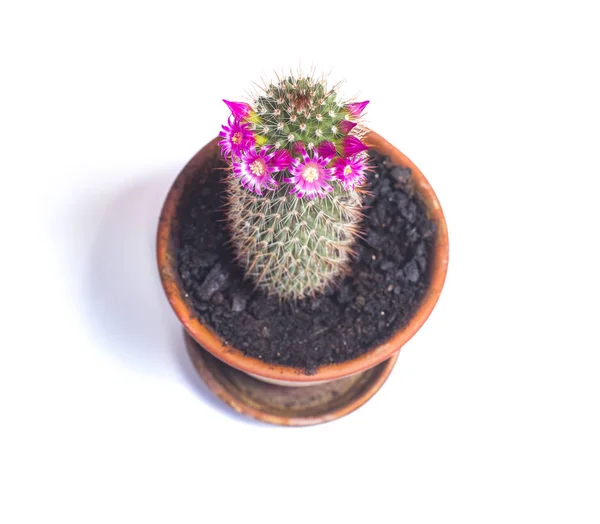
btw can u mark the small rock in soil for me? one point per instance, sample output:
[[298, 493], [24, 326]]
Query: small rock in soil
[[218, 298], [409, 211], [400, 174], [385, 187], [400, 198], [343, 296], [421, 255], [209, 260], [213, 281], [238, 303], [411, 271]]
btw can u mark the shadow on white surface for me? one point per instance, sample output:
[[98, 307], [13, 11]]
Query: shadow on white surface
[[193, 379], [124, 304]]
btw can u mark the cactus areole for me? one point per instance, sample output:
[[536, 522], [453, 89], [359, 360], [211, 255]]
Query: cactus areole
[[297, 164]]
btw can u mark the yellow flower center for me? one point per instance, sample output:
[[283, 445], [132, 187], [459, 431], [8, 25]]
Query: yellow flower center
[[236, 138], [310, 173], [258, 167], [347, 170]]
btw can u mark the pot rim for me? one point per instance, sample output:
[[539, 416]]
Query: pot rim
[[167, 263]]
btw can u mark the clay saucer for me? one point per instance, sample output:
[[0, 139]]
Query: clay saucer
[[284, 405]]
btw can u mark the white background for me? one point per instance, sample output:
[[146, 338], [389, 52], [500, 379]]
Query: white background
[[492, 413]]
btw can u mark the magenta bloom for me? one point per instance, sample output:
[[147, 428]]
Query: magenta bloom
[[351, 171], [356, 108], [352, 146], [346, 126], [326, 150], [239, 110], [310, 175], [237, 138], [255, 168]]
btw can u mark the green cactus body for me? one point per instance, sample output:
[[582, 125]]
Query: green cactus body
[[289, 246], [299, 110]]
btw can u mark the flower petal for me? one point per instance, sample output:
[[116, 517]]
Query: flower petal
[[346, 126], [352, 146], [238, 109], [299, 148], [356, 108], [326, 150], [281, 159]]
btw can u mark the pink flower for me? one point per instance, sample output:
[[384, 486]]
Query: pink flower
[[239, 110], [352, 146], [255, 168], [237, 138], [346, 126], [310, 175], [351, 171], [356, 108]]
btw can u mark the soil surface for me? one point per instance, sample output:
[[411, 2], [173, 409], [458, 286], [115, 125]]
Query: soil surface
[[387, 279]]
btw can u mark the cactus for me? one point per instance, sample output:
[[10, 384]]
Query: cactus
[[297, 165]]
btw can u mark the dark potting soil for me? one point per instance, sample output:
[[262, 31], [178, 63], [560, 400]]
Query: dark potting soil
[[387, 280]]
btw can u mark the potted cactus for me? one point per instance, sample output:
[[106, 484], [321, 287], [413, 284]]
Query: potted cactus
[[299, 247]]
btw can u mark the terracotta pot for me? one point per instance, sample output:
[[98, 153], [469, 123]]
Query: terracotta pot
[[168, 235]]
